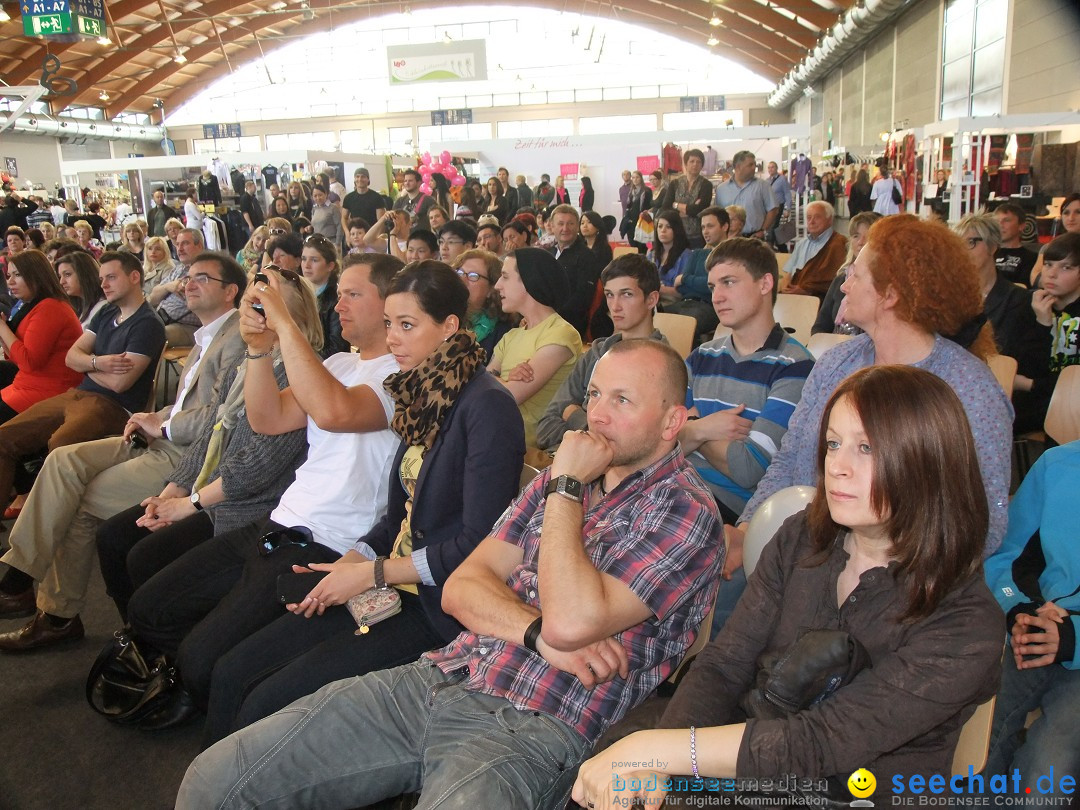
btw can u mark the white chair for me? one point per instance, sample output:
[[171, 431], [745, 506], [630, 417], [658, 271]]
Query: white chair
[[1004, 368], [797, 314], [1063, 416], [699, 643], [820, 343], [678, 329], [528, 473], [777, 508]]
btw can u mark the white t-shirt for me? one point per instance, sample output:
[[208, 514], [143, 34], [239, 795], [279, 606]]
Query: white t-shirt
[[341, 490]]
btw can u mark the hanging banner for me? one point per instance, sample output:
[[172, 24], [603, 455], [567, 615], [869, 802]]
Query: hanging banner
[[648, 164], [464, 61]]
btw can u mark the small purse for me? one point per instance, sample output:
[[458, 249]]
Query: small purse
[[372, 606]]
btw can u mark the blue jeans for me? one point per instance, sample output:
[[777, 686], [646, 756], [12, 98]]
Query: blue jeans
[[402, 730], [1052, 740]]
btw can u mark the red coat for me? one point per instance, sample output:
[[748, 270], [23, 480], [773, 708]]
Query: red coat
[[43, 339]]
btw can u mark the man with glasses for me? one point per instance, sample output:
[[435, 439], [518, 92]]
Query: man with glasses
[[455, 237], [489, 237], [229, 582], [84, 482]]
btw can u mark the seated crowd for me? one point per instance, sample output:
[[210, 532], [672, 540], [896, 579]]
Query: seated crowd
[[350, 430]]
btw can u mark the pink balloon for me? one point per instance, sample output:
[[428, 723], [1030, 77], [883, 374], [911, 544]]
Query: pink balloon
[[437, 167], [445, 156], [425, 171], [426, 158], [457, 180], [424, 187], [451, 171]]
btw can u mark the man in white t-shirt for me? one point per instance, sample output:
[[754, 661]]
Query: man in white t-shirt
[[226, 588]]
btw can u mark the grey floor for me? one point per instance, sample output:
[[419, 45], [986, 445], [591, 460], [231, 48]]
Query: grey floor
[[60, 754]]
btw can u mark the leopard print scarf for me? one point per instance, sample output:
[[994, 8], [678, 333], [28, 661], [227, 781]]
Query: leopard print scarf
[[423, 395]]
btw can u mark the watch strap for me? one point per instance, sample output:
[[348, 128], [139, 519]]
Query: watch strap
[[380, 579], [532, 633], [566, 486]]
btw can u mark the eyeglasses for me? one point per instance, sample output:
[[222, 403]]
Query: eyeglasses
[[204, 278], [299, 536], [277, 231], [972, 241], [472, 276], [451, 242]]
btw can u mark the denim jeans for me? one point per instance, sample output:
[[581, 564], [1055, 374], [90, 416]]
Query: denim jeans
[[402, 730], [1052, 740]]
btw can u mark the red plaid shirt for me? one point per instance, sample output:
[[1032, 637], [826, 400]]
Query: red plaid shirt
[[658, 532]]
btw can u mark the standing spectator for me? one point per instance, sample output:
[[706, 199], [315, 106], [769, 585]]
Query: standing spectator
[[157, 216], [884, 190], [781, 190], [586, 197], [362, 202], [250, 206], [325, 215], [193, 217], [15, 212], [525, 194], [562, 196], [688, 195], [545, 193], [638, 201], [624, 191], [859, 197], [335, 186], [494, 202], [659, 188], [509, 192], [752, 193], [299, 204], [413, 201]]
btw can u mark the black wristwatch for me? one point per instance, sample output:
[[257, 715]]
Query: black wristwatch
[[196, 501], [566, 486]]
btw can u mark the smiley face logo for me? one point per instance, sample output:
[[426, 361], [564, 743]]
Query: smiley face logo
[[861, 783]]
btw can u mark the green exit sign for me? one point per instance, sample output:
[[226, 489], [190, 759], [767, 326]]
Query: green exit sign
[[90, 27], [43, 25], [63, 19]]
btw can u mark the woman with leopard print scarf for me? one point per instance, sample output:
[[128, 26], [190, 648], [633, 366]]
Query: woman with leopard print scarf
[[455, 472]]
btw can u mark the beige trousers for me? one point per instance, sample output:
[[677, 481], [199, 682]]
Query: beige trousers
[[80, 486]]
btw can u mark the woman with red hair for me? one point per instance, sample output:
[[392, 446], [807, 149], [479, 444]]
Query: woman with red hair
[[915, 292]]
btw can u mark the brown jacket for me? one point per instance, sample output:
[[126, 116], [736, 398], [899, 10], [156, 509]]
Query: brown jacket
[[901, 716], [817, 274]]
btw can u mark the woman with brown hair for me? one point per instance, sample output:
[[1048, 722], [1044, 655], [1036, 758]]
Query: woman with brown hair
[[36, 339], [912, 285], [889, 553]]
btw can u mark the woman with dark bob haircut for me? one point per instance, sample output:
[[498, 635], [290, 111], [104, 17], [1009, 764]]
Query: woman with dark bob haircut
[[915, 293], [889, 551], [456, 470]]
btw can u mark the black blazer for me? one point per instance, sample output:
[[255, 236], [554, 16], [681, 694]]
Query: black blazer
[[583, 270], [467, 480]]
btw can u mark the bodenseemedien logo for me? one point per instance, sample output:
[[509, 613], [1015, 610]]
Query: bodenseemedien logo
[[861, 784]]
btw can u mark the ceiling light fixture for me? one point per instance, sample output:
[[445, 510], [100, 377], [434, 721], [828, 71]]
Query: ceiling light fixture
[[4, 16], [179, 58], [104, 41], [103, 95], [714, 20], [713, 41]]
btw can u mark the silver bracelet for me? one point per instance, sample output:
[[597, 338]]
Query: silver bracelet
[[93, 362], [693, 752], [251, 356]]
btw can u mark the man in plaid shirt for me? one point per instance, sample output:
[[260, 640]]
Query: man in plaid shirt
[[584, 597]]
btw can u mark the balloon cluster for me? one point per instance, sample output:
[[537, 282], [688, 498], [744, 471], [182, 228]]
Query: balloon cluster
[[439, 165]]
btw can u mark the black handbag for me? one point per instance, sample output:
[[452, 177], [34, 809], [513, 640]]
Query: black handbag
[[127, 689]]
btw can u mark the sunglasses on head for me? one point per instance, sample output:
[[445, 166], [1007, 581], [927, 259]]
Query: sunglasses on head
[[289, 275], [277, 231], [316, 237], [299, 536]]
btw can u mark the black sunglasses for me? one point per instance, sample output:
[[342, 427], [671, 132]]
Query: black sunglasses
[[289, 275], [299, 536]]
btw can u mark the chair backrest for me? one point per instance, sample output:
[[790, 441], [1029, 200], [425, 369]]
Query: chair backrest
[[699, 643], [622, 250], [973, 746], [721, 331], [678, 329], [820, 343], [1063, 416], [528, 473], [797, 313], [1004, 368], [777, 508]]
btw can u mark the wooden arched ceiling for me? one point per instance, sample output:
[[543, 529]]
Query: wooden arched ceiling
[[218, 36]]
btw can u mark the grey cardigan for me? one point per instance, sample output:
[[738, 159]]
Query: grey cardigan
[[255, 470]]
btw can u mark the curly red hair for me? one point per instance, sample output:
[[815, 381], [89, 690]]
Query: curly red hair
[[932, 272]]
